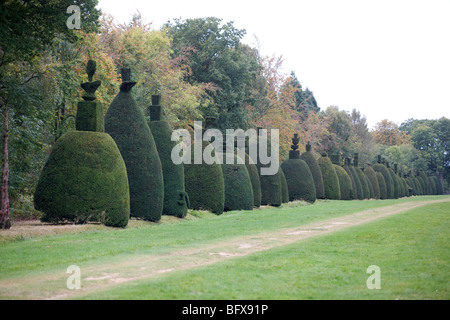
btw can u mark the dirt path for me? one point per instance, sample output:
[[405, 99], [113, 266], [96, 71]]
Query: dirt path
[[99, 277]]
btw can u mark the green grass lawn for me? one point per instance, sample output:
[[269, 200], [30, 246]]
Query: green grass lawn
[[411, 249]]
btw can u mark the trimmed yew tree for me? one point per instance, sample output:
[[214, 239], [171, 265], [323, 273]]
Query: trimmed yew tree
[[85, 178], [284, 188], [271, 193], [300, 182], [382, 185], [316, 173], [126, 124], [204, 184], [330, 178], [357, 189], [380, 167], [371, 175], [176, 200], [362, 177]]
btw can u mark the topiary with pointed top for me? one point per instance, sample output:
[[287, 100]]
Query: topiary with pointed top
[[330, 178], [85, 178], [380, 167], [345, 183], [126, 124], [361, 176], [316, 173], [356, 184], [176, 200], [300, 182], [371, 175], [204, 182]]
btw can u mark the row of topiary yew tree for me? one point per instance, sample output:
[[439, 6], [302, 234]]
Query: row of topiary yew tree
[[119, 166]]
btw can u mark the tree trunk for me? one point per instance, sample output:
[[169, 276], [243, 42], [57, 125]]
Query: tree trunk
[[5, 223]]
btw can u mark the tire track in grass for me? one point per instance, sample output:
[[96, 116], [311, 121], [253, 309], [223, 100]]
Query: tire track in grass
[[99, 277]]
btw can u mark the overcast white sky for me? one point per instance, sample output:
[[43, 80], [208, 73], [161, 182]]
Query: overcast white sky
[[389, 59]]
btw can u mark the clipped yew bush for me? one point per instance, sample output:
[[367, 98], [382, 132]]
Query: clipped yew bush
[[300, 182], [440, 187], [85, 178], [254, 178], [204, 184], [382, 185], [237, 182], [316, 173], [371, 175], [271, 193], [361, 177], [395, 186], [330, 178], [126, 124], [357, 188], [345, 183], [379, 167], [176, 200], [284, 188]]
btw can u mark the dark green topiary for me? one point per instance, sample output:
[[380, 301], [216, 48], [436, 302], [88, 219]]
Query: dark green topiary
[[271, 193], [395, 185], [300, 182], [362, 177], [371, 194], [345, 183], [382, 185], [254, 178], [356, 184], [440, 187], [314, 167], [176, 200], [126, 124], [238, 186], [432, 184], [379, 167], [424, 180], [84, 179], [371, 175], [330, 178], [284, 188], [419, 185], [204, 184]]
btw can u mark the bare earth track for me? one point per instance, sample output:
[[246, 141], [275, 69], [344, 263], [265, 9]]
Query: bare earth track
[[99, 277]]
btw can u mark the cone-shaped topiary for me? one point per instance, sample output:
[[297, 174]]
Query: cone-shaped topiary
[[356, 184], [85, 178], [176, 200], [345, 183], [432, 183], [425, 186], [371, 175], [314, 167], [300, 182], [204, 184], [379, 167], [271, 193], [371, 196], [254, 178], [395, 185], [126, 124], [238, 186], [418, 184], [361, 176], [330, 178], [440, 187], [381, 185], [284, 188]]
